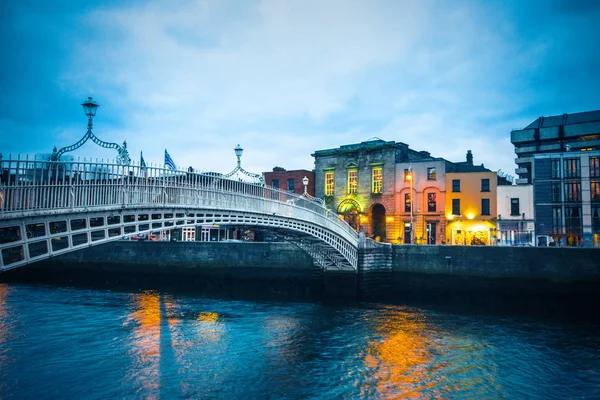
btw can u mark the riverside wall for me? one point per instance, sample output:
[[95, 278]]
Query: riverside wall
[[396, 270], [442, 271]]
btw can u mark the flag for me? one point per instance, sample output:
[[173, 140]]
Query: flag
[[169, 161], [143, 166]]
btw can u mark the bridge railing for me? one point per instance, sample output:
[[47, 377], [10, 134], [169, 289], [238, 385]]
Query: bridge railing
[[31, 186]]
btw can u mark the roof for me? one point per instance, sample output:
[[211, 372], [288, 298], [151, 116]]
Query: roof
[[565, 119]]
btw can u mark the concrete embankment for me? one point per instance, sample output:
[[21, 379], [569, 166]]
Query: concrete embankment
[[427, 271]]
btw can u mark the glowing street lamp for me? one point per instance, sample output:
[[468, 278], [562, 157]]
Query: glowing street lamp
[[410, 178]]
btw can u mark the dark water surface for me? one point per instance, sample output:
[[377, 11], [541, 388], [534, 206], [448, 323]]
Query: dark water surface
[[59, 342]]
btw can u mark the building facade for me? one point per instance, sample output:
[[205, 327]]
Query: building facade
[[515, 225], [421, 221], [358, 181], [554, 134], [290, 181], [471, 208], [567, 198], [559, 156]]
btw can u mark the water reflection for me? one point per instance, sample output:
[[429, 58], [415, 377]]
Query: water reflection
[[401, 359], [146, 321], [165, 340]]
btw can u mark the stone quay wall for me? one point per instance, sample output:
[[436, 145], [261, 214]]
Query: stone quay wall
[[503, 270], [384, 268]]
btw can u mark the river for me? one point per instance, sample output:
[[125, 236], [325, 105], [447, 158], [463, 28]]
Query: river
[[69, 342]]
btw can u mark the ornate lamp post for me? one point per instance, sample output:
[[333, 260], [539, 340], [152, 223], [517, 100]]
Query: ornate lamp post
[[410, 177], [90, 107], [305, 183], [238, 153]]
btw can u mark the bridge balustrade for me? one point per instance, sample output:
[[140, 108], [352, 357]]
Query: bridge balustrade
[[30, 188]]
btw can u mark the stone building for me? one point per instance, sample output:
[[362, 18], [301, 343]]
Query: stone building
[[358, 181]]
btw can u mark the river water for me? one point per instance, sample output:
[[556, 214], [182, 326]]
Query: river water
[[61, 342]]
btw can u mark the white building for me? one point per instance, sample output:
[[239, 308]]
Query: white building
[[515, 223]]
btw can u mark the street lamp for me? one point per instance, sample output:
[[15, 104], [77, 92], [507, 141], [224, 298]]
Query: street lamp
[[238, 153], [410, 177], [257, 178], [89, 108], [305, 183]]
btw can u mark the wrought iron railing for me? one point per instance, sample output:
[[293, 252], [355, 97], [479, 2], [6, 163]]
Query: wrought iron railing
[[30, 187]]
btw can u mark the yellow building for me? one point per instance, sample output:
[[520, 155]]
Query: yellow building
[[471, 207]]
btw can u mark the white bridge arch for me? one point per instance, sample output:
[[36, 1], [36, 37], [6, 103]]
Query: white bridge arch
[[52, 207]]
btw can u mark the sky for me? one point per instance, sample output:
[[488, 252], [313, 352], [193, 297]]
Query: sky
[[284, 78]]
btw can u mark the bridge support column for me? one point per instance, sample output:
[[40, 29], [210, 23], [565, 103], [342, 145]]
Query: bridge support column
[[374, 268]]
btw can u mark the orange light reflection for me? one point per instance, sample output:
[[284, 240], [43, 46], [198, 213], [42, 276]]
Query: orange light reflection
[[402, 363]]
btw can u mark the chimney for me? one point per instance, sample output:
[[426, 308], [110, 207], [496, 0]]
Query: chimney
[[469, 158]]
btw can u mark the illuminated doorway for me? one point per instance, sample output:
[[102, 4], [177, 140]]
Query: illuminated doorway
[[350, 210]]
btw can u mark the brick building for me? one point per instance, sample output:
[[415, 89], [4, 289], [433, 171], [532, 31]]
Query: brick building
[[290, 181]]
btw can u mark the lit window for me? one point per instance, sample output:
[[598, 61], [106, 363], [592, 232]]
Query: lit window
[[431, 202], [594, 167], [573, 191], [352, 181], [431, 174], [407, 202], [329, 184], [377, 180], [595, 190], [572, 169], [407, 175]]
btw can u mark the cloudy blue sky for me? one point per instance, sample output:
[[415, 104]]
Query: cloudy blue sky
[[284, 78]]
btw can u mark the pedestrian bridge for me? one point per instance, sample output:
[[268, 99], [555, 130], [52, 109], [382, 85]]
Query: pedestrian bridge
[[49, 208]]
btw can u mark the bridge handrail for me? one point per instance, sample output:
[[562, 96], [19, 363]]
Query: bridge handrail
[[29, 185]]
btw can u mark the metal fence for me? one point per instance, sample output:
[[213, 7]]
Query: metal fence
[[34, 187]]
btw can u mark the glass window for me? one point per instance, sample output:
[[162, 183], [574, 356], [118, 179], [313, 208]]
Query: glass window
[[431, 175], [431, 202], [329, 184], [456, 206], [595, 190], [573, 191], [407, 202], [555, 169], [573, 218], [407, 174], [514, 207], [485, 185], [596, 219], [556, 219], [352, 181], [456, 185], [595, 167], [485, 206], [556, 192], [290, 185], [275, 183], [377, 180], [572, 169]]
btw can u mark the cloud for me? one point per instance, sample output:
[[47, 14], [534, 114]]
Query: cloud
[[284, 79]]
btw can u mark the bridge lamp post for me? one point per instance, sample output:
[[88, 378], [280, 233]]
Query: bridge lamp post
[[410, 177], [238, 153], [305, 183], [90, 107]]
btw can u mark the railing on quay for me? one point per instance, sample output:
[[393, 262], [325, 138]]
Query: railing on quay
[[32, 187]]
